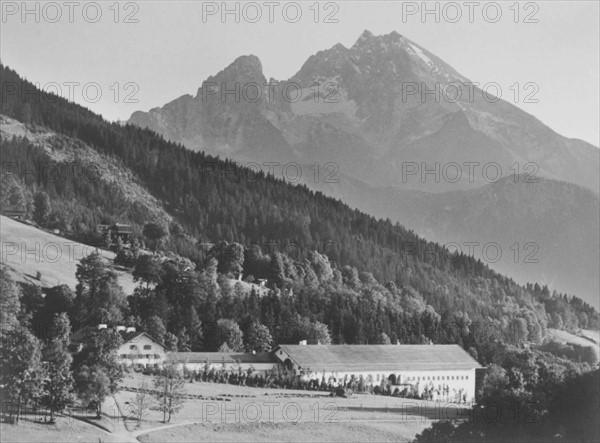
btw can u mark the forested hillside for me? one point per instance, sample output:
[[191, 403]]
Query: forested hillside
[[367, 277]]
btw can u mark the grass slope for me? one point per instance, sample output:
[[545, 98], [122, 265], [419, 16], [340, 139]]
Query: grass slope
[[27, 250], [586, 338], [65, 430]]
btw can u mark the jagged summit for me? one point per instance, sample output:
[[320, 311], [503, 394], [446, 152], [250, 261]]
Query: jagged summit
[[250, 61], [368, 118], [367, 39], [246, 65], [244, 69], [366, 34]]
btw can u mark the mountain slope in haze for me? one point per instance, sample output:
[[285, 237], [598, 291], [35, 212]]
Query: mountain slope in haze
[[368, 109], [550, 236]]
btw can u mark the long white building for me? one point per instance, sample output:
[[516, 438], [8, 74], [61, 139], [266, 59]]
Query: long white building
[[446, 372]]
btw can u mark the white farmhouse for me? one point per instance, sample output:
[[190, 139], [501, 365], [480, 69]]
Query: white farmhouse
[[139, 348]]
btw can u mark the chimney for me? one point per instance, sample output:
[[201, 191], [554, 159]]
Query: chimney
[[130, 329], [302, 342], [102, 326]]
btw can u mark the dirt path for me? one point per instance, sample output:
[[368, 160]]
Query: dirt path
[[160, 428], [123, 433]]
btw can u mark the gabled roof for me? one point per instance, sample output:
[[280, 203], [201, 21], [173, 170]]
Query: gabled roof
[[82, 335], [130, 336], [222, 357], [123, 228], [379, 357]]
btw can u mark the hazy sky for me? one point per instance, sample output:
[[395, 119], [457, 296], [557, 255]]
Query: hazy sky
[[171, 49]]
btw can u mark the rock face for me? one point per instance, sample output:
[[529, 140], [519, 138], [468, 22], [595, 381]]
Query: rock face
[[375, 118], [380, 106]]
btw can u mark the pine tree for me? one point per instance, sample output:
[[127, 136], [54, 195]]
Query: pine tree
[[41, 208]]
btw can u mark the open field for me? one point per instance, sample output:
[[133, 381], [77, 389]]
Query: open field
[[27, 250], [239, 413], [66, 430], [591, 335], [228, 413], [587, 338], [288, 432]]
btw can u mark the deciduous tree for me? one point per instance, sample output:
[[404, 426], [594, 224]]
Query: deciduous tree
[[169, 387], [58, 386], [258, 338]]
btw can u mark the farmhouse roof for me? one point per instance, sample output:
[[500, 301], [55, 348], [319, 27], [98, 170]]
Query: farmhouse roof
[[379, 357], [128, 336], [123, 228], [222, 357], [82, 335], [131, 335]]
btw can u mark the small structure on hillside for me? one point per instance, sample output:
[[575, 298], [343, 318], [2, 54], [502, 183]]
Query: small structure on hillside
[[17, 214], [117, 231]]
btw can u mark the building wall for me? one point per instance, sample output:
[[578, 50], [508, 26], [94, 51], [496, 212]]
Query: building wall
[[199, 366], [141, 351], [443, 385]]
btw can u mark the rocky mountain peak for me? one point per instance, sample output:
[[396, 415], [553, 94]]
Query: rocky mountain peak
[[245, 68], [363, 107], [364, 38], [368, 41]]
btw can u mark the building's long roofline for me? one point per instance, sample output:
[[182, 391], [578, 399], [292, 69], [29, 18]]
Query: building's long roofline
[[370, 358], [222, 357]]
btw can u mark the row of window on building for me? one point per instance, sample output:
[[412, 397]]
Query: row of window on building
[[429, 377], [139, 356], [134, 347], [438, 377]]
